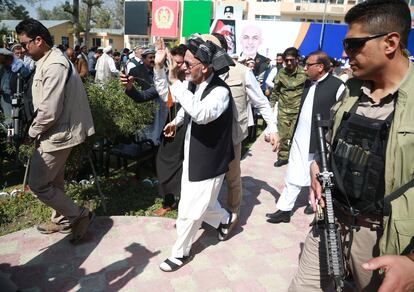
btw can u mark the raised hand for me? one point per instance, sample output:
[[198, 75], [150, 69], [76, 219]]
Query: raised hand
[[160, 53], [159, 44]]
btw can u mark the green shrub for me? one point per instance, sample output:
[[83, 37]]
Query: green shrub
[[114, 113], [20, 212]]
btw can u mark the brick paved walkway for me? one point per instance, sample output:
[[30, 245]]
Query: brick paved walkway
[[123, 253]]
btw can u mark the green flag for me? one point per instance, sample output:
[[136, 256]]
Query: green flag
[[196, 17]]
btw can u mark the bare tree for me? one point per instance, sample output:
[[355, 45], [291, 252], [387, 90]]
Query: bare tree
[[75, 20], [73, 9], [89, 5]]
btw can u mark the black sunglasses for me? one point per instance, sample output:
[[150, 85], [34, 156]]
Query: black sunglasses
[[353, 44], [24, 44]]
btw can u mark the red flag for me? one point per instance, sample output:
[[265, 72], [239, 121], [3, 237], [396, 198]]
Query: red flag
[[164, 18]]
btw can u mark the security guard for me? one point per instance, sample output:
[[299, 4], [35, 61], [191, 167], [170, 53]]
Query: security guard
[[372, 158], [289, 83]]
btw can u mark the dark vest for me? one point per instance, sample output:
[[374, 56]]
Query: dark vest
[[358, 164], [324, 99], [211, 145]]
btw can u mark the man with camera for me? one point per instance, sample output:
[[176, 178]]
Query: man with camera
[[10, 67], [62, 120]]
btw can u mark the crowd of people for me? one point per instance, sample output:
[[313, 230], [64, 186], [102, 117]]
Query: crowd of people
[[206, 99]]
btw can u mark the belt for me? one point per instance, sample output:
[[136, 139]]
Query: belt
[[373, 222]]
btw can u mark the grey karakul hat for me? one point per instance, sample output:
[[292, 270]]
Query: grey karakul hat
[[147, 51]]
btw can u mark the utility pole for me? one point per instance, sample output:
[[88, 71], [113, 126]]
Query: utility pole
[[323, 26]]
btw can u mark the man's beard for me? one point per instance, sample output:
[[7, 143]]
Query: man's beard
[[190, 78]]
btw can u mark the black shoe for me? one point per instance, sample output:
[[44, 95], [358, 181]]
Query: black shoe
[[308, 210], [280, 162], [280, 216], [271, 215]]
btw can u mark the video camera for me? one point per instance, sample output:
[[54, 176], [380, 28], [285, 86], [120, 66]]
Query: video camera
[[15, 130]]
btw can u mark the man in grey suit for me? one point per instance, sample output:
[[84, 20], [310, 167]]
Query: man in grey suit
[[63, 120]]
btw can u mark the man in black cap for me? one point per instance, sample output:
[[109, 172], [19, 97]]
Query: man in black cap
[[144, 73], [207, 110]]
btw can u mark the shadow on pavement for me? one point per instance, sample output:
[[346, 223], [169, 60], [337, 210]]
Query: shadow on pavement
[[252, 188], [119, 273], [61, 266]]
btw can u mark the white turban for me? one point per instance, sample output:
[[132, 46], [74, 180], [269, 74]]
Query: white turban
[[107, 49]]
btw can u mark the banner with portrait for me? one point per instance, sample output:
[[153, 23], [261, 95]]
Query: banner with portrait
[[267, 38], [226, 27], [164, 18]]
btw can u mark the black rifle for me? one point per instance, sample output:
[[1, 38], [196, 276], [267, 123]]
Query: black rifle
[[326, 216], [22, 116]]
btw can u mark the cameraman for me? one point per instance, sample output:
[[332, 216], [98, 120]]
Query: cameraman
[[10, 66], [63, 120]]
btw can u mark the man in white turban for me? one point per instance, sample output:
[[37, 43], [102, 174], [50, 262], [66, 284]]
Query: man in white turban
[[105, 66]]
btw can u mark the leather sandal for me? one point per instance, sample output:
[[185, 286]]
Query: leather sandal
[[170, 266], [225, 229]]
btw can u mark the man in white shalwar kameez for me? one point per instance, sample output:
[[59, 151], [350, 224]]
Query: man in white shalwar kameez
[[321, 91], [206, 107], [105, 66]]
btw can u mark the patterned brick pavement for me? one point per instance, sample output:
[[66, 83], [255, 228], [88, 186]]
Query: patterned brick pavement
[[123, 253]]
